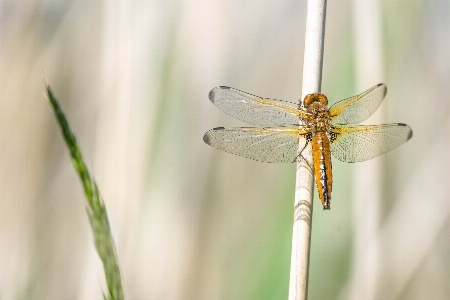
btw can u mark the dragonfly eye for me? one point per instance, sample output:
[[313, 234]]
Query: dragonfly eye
[[315, 98]]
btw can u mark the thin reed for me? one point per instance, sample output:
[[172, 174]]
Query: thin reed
[[95, 207], [304, 189]]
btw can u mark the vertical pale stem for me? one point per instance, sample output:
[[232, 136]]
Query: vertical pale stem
[[312, 77]]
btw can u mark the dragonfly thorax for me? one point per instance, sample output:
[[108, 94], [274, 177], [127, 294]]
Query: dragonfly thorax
[[320, 121]]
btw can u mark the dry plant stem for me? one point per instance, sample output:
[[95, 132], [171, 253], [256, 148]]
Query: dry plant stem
[[303, 208], [95, 207]]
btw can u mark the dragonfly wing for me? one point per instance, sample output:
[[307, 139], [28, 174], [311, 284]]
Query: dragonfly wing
[[273, 145], [357, 109], [256, 110], [360, 143]]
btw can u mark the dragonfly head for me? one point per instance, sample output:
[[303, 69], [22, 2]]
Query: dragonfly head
[[316, 100]]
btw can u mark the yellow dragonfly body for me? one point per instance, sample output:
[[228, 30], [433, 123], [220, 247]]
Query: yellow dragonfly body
[[329, 130]]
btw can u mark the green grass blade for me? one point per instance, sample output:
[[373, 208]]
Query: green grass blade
[[95, 207]]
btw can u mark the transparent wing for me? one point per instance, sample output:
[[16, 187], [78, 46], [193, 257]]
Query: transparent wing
[[273, 145], [256, 110], [357, 109], [360, 143]]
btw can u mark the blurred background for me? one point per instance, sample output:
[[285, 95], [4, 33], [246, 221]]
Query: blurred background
[[190, 221]]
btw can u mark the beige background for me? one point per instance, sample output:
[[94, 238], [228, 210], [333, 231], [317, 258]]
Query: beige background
[[191, 222]]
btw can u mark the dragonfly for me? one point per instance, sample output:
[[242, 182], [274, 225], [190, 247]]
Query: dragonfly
[[328, 130]]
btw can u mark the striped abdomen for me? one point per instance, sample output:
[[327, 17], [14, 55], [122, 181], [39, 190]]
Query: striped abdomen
[[322, 167]]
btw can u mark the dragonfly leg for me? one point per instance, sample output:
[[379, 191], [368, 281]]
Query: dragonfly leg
[[300, 156]]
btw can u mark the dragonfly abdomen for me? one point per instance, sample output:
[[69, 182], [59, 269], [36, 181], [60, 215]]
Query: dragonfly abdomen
[[322, 167]]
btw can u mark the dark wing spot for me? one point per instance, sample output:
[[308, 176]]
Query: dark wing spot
[[211, 95], [385, 90], [333, 137], [401, 124], [219, 128], [206, 138], [410, 135]]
